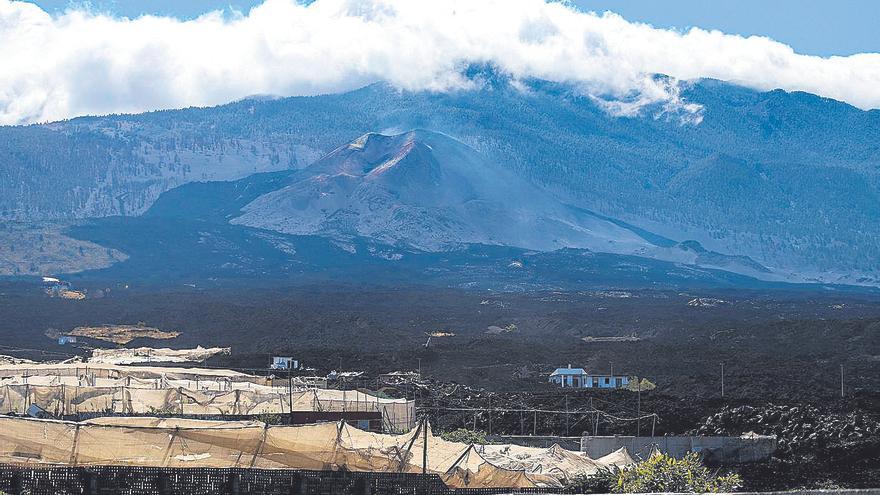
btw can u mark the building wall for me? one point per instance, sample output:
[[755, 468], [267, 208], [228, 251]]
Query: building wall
[[586, 381], [568, 380], [717, 450], [284, 363]]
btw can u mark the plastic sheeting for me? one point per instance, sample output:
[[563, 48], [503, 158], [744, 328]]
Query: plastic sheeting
[[68, 389], [398, 415], [155, 355], [555, 461], [195, 443]]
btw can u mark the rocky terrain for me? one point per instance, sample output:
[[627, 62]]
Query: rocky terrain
[[830, 446]]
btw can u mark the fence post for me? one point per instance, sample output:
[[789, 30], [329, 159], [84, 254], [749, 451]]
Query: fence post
[[234, 483], [361, 486], [425, 445], [16, 482], [162, 483], [90, 483], [297, 484]]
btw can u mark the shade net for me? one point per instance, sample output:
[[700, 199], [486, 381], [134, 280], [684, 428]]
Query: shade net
[[220, 444], [73, 390]]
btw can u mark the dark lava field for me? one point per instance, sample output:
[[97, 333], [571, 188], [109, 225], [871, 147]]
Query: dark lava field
[[782, 354]]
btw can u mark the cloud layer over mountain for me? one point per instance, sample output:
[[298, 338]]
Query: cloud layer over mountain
[[54, 67]]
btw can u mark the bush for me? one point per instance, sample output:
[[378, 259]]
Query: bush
[[645, 384], [167, 410], [602, 481], [660, 473], [663, 473], [463, 435], [269, 418]]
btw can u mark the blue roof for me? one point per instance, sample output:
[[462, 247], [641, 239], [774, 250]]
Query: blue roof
[[568, 371]]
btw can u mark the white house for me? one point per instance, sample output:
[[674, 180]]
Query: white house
[[569, 377], [284, 363], [579, 378]]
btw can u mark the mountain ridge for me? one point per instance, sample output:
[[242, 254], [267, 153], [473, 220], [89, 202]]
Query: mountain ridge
[[798, 193]]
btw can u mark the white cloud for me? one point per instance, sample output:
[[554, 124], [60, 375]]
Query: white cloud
[[54, 67]]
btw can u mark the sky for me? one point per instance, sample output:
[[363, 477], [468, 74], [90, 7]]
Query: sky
[[812, 27], [60, 59]]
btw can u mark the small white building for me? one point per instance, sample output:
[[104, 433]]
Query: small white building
[[569, 377], [284, 363], [579, 378]]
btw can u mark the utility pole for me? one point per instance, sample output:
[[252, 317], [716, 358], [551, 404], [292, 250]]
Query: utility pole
[[638, 407], [566, 415], [490, 414], [290, 394], [722, 380], [841, 381], [425, 445]]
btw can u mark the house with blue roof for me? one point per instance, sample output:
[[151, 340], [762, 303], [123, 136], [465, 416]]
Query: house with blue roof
[[579, 378]]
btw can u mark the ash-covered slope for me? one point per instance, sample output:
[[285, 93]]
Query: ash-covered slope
[[428, 191]]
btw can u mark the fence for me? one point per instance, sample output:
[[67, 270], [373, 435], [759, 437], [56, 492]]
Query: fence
[[67, 480]]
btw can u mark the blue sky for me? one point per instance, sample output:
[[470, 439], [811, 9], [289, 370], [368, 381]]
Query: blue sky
[[813, 27]]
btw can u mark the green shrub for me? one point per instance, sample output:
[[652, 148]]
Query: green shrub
[[380, 394], [663, 473], [463, 435], [602, 481], [269, 418], [660, 473], [167, 410], [645, 384]]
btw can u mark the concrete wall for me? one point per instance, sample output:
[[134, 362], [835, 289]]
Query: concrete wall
[[717, 450]]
